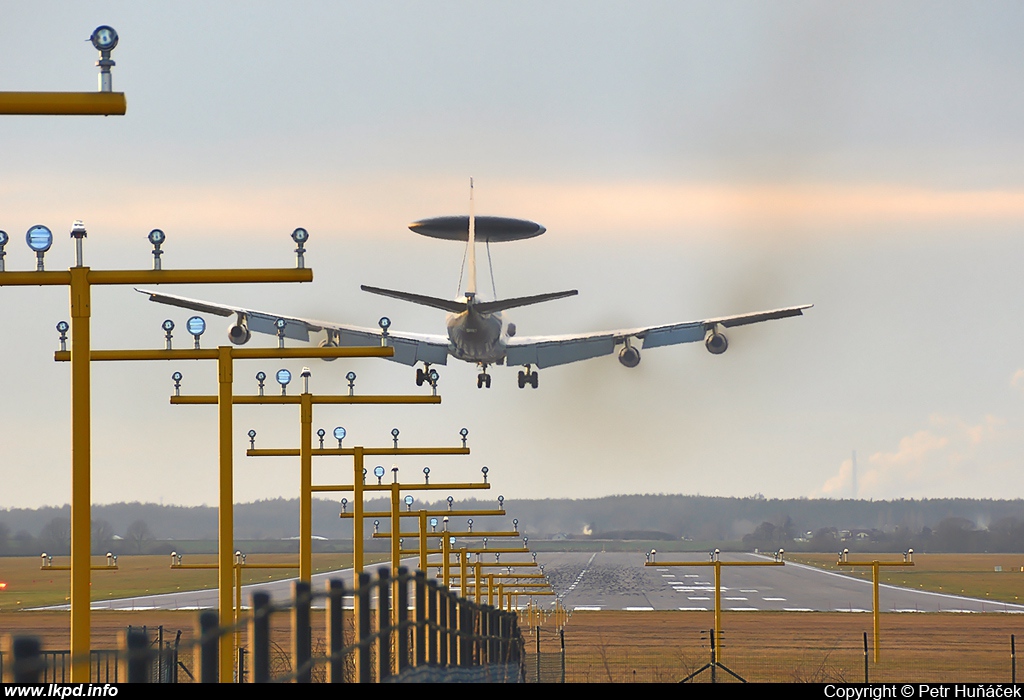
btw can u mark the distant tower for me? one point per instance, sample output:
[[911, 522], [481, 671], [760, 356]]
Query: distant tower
[[853, 475]]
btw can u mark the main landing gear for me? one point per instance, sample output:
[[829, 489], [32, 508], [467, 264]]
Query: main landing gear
[[483, 379], [423, 375], [527, 377]]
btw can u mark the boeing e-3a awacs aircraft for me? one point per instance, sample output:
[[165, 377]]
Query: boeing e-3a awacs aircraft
[[477, 330]]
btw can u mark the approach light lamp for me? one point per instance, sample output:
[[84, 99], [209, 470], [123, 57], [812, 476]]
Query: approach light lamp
[[261, 377], [433, 377], [394, 436], [351, 377], [364, 476], [4, 238], [450, 502], [344, 505], [444, 523], [451, 540], [252, 439], [515, 524], [39, 239], [469, 522], [280, 324], [339, 435], [176, 377], [526, 541], [484, 471], [433, 524], [300, 236], [157, 237], [175, 559], [464, 433], [283, 377], [168, 326], [62, 328], [485, 547], [426, 475], [321, 434], [78, 232], [378, 472], [408, 502], [394, 473], [104, 39], [384, 324], [501, 502], [376, 526], [305, 374], [196, 326], [909, 556], [534, 555]]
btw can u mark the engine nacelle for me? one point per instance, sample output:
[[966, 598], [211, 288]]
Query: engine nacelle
[[629, 356], [238, 333], [328, 343], [716, 343]]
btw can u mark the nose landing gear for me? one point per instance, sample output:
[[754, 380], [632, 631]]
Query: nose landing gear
[[483, 379], [528, 377], [423, 375]]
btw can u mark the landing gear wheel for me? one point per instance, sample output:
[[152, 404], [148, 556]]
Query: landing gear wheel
[[534, 378], [421, 377], [480, 379], [487, 381], [522, 379]]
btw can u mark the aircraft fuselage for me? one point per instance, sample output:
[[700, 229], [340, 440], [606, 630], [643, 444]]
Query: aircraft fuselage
[[477, 337]]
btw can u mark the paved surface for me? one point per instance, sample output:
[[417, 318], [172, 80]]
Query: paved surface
[[620, 581]]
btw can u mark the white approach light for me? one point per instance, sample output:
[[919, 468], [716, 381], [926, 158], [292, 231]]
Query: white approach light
[[339, 435], [39, 239], [196, 326], [104, 39], [378, 472], [283, 377], [157, 237], [4, 238]]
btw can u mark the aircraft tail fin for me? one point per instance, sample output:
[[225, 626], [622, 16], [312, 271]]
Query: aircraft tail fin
[[454, 307], [489, 307]]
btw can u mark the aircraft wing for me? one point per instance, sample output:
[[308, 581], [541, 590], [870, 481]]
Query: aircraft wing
[[549, 351], [410, 348]]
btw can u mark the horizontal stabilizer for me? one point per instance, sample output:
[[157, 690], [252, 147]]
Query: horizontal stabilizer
[[489, 307], [455, 307]]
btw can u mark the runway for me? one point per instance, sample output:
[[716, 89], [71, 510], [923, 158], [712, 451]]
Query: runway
[[620, 581]]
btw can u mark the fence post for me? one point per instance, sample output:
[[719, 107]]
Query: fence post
[[335, 630], [453, 629], [1013, 659], [136, 645], [536, 634], [402, 616], [432, 622], [465, 637], [442, 626], [27, 661], [364, 670], [420, 634], [241, 664], [865, 657], [301, 633], [561, 635], [383, 624], [209, 652], [259, 637]]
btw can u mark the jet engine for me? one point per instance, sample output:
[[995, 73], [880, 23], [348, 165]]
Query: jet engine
[[239, 333], [716, 342], [329, 342], [629, 356]]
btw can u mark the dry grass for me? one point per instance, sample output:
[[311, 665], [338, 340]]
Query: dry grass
[[972, 575], [29, 587], [778, 646]]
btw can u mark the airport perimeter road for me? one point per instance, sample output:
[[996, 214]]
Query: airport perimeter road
[[620, 581]]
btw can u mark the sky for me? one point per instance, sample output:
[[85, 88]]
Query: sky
[[689, 160]]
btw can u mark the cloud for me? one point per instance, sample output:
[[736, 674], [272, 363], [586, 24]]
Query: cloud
[[949, 457]]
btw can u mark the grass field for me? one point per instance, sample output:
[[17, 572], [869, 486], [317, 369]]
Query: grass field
[[972, 575], [27, 586]]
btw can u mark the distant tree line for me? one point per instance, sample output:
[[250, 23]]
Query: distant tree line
[[54, 538]]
